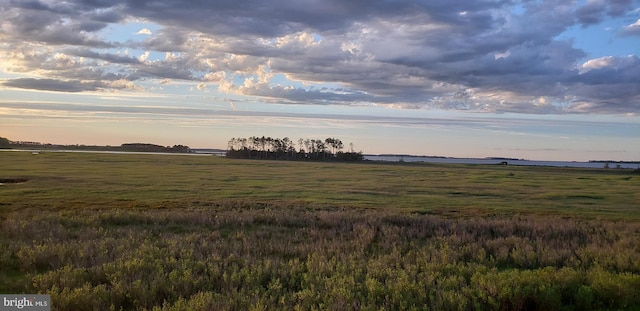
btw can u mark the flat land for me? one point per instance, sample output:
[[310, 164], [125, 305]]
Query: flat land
[[182, 232]]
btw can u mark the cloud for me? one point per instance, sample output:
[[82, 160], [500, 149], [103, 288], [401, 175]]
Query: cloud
[[69, 86], [50, 85], [595, 11], [143, 58], [608, 84], [108, 57], [482, 55], [609, 62], [50, 28], [632, 29], [144, 31], [592, 12]]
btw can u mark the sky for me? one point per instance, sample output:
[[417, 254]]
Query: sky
[[540, 80]]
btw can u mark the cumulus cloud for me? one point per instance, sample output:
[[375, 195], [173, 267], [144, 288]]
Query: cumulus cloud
[[480, 55], [144, 31], [609, 62], [632, 29]]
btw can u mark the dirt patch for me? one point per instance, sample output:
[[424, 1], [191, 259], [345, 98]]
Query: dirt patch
[[12, 180]]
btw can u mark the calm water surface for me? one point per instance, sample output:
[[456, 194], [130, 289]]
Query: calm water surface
[[396, 158]]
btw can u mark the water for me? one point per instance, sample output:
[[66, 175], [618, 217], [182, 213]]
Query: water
[[397, 158]]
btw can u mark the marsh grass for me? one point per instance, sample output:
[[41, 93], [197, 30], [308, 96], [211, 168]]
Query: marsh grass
[[239, 257], [158, 232], [69, 181]]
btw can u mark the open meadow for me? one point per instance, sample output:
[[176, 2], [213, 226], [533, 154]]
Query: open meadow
[[103, 231]]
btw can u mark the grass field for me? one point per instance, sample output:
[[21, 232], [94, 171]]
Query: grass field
[[177, 232]]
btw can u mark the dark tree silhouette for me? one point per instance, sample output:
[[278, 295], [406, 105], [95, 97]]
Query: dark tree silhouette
[[263, 147], [4, 143]]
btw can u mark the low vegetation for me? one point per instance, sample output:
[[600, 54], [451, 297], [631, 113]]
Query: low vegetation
[[162, 232]]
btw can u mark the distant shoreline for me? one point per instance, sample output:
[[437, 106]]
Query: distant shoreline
[[495, 158], [596, 164], [503, 161]]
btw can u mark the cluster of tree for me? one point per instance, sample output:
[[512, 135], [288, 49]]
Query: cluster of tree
[[137, 147], [263, 147], [4, 143]]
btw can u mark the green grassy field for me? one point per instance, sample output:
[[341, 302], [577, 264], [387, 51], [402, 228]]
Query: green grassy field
[[72, 181], [177, 232]]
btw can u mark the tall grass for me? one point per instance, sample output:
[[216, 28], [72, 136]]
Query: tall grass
[[238, 257]]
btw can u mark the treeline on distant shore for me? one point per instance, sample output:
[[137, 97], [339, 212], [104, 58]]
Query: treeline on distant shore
[[130, 147], [263, 147], [154, 148]]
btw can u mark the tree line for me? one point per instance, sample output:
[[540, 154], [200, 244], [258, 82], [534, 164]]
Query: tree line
[[255, 147], [143, 147], [130, 147]]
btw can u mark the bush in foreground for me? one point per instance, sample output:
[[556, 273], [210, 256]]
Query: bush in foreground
[[243, 257]]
